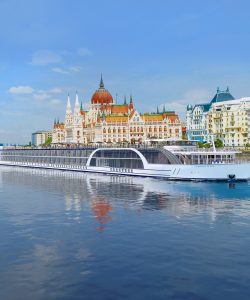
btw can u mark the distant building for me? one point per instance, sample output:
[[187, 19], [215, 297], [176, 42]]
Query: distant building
[[248, 118], [229, 121], [40, 137], [197, 116], [108, 122]]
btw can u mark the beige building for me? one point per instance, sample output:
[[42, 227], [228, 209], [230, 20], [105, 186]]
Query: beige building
[[40, 137], [228, 121], [109, 122]]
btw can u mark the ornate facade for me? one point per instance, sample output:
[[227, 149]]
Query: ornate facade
[[228, 121], [197, 116], [224, 118], [108, 122]]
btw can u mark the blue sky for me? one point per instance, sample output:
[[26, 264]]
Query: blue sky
[[161, 51]]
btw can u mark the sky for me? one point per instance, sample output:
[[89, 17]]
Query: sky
[[163, 52]]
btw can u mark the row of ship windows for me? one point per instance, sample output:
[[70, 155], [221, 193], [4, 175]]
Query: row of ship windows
[[70, 153], [121, 170]]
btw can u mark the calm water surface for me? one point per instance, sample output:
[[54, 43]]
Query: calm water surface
[[82, 236]]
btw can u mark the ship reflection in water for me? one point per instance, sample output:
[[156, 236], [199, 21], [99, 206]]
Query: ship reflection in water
[[100, 193], [65, 234]]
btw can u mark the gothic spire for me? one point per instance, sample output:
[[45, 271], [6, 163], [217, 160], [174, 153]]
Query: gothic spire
[[157, 109], [101, 83], [68, 108], [77, 105], [125, 100]]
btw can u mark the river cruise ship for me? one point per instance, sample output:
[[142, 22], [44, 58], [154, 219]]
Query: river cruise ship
[[181, 161]]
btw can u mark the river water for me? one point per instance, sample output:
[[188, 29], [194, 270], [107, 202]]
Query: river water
[[84, 236]]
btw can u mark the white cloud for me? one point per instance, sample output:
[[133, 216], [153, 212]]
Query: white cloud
[[68, 70], [84, 52], [55, 102], [60, 70], [41, 96], [21, 90], [45, 57], [55, 91], [12, 113], [75, 69]]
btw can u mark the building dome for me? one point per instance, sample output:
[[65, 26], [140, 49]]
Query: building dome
[[102, 96]]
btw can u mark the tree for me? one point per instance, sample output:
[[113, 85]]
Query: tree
[[48, 141], [203, 145], [218, 143], [207, 145]]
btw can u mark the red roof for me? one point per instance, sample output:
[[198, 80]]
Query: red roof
[[101, 96]]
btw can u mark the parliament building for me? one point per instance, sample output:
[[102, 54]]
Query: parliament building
[[109, 122]]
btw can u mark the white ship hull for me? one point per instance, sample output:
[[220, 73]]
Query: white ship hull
[[135, 162], [171, 172]]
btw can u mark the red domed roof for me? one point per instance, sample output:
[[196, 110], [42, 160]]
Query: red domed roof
[[102, 95]]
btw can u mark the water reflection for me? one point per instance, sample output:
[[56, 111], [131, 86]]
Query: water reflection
[[100, 194], [101, 209], [159, 239]]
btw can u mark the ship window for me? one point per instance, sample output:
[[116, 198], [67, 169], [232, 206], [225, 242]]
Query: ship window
[[160, 156], [154, 156], [117, 159]]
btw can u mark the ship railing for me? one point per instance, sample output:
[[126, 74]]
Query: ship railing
[[45, 165], [215, 162]]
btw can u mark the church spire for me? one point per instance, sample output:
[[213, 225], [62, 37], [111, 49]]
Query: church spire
[[68, 108], [101, 83], [131, 106], [125, 100], [77, 105]]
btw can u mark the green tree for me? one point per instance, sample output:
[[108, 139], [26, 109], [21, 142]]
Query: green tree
[[48, 141], [207, 145], [218, 143]]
